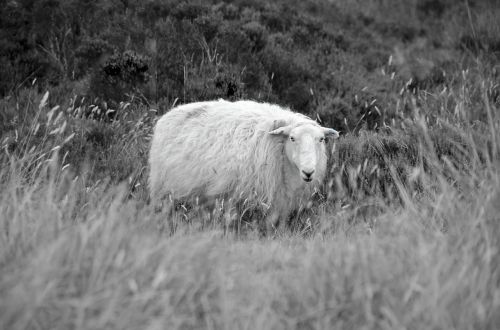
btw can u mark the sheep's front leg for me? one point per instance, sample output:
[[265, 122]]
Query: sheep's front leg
[[276, 218]]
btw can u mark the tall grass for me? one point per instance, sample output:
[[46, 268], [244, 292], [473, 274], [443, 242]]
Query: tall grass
[[407, 235]]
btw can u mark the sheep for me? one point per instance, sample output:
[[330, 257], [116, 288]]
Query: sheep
[[265, 155]]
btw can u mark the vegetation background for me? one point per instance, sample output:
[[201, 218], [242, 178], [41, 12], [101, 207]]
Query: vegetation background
[[404, 235]]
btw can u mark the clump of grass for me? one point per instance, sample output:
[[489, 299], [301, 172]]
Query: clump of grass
[[412, 243], [79, 256]]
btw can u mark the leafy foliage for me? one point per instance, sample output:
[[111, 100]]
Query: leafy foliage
[[119, 75], [158, 52]]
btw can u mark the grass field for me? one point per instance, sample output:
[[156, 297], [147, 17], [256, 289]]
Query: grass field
[[405, 235]]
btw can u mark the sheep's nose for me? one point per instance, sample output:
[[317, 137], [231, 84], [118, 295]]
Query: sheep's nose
[[308, 173]]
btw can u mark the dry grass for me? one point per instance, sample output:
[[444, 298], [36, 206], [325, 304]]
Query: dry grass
[[79, 253], [104, 264], [406, 234]]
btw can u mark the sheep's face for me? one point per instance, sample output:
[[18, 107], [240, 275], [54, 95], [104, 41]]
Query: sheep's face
[[305, 148]]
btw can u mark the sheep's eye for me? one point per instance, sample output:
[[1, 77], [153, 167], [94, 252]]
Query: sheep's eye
[[292, 139], [322, 139]]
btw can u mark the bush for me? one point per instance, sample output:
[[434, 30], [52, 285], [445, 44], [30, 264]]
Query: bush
[[88, 54], [257, 35], [120, 77]]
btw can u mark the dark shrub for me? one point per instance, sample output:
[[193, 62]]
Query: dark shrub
[[257, 35], [208, 26], [128, 67], [298, 96], [88, 54], [189, 11], [119, 77], [284, 70], [234, 43], [229, 11], [431, 8]]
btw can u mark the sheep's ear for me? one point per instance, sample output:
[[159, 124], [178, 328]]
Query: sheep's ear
[[330, 132], [280, 128]]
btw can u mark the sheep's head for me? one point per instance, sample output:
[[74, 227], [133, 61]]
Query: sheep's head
[[305, 148]]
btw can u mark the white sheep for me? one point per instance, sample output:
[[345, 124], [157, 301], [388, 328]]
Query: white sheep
[[262, 154]]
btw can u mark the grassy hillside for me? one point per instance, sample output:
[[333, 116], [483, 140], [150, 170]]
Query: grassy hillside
[[405, 234]]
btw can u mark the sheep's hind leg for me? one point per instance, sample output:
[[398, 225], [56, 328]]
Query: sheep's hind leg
[[164, 208]]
